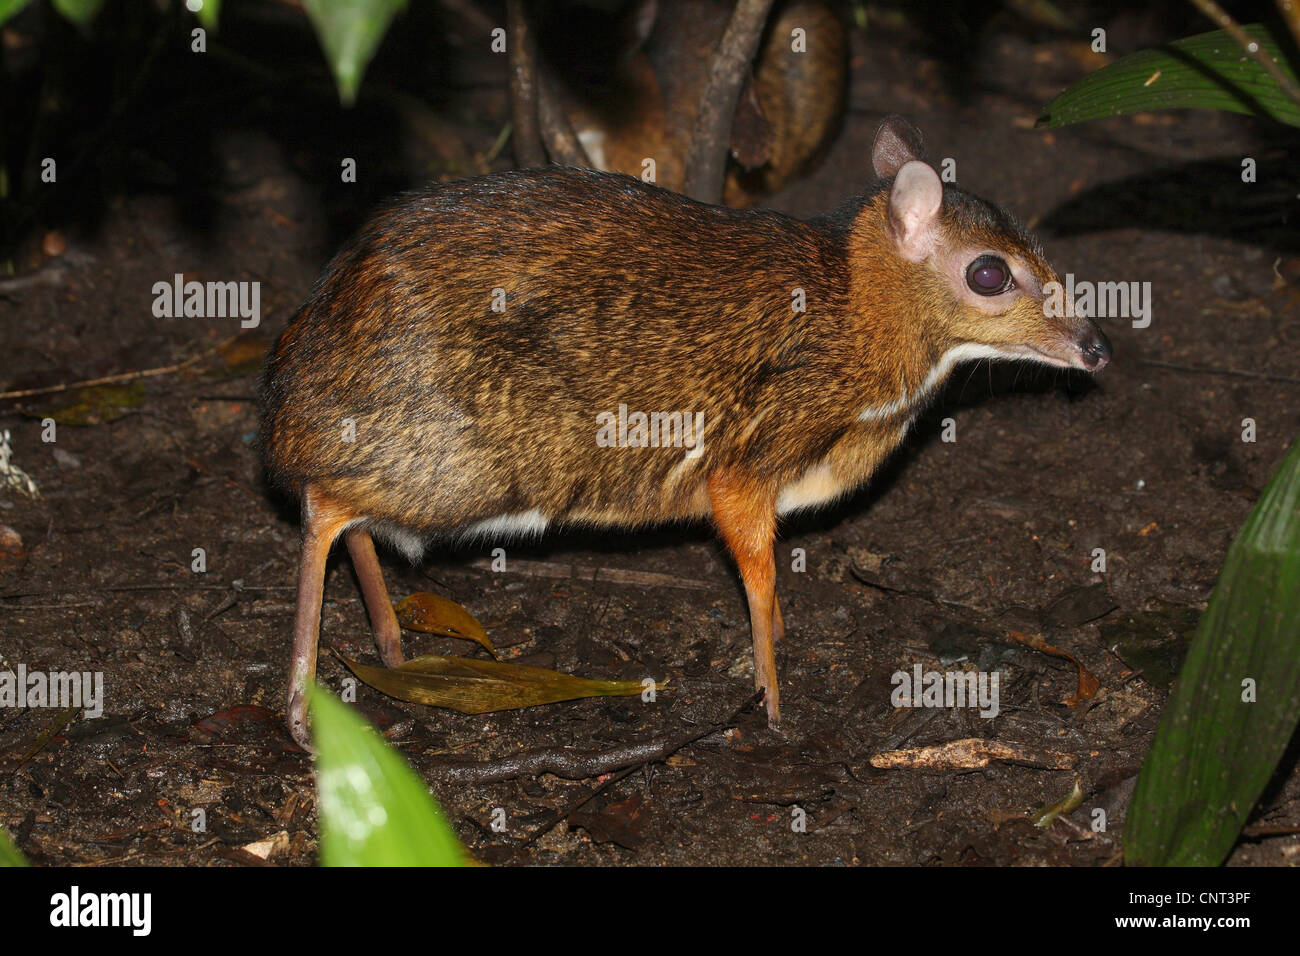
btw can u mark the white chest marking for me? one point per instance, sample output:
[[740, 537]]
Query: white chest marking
[[958, 353], [815, 486], [523, 523]]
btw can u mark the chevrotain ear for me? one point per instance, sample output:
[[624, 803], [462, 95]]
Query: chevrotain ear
[[914, 204], [897, 142]]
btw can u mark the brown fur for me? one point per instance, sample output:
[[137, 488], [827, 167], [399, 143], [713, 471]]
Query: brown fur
[[462, 413], [622, 293]]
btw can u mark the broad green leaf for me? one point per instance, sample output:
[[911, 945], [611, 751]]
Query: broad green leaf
[[1209, 71], [374, 810], [10, 7], [1215, 751], [350, 32], [479, 687], [9, 855], [80, 12], [434, 614]]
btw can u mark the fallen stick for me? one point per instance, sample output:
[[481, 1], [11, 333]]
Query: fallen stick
[[121, 377], [548, 569], [969, 754]]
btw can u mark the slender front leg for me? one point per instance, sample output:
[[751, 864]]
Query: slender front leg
[[383, 621], [745, 511], [322, 521], [778, 622]]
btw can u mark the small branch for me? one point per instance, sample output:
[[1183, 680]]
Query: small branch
[[50, 275], [557, 133], [1224, 21], [590, 575], [1239, 373], [664, 750], [706, 163], [575, 764], [124, 588], [121, 377], [970, 753], [522, 57], [1290, 11]]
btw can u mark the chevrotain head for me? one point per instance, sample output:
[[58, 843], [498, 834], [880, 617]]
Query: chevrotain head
[[981, 276]]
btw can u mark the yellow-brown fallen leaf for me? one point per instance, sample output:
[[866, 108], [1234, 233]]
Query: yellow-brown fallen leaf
[[1087, 681], [433, 614], [968, 754], [246, 354], [96, 406], [479, 687], [1044, 816]]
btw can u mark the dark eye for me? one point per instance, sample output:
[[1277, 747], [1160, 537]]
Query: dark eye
[[989, 275]]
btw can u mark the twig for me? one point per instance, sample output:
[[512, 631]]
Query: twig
[[117, 588], [1224, 20], [50, 275], [121, 377], [967, 754], [1240, 373], [522, 57], [1290, 11], [549, 569], [707, 160], [557, 133], [142, 854], [573, 764], [664, 749]]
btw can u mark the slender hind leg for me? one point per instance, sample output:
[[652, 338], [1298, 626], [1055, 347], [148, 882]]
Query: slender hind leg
[[778, 622], [322, 520], [383, 621], [745, 512]]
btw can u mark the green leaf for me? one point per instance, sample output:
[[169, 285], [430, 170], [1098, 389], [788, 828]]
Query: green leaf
[[207, 13], [350, 32], [1209, 72], [80, 12], [1214, 751], [10, 7], [479, 687], [374, 810], [9, 855]]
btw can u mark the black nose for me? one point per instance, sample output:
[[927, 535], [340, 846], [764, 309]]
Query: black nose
[[1095, 349]]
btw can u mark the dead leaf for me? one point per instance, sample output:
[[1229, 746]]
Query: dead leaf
[[1044, 816], [96, 406], [243, 723], [479, 687], [1087, 681], [242, 356], [624, 823], [434, 614], [13, 556]]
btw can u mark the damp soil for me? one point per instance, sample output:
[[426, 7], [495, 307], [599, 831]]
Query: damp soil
[[956, 546]]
